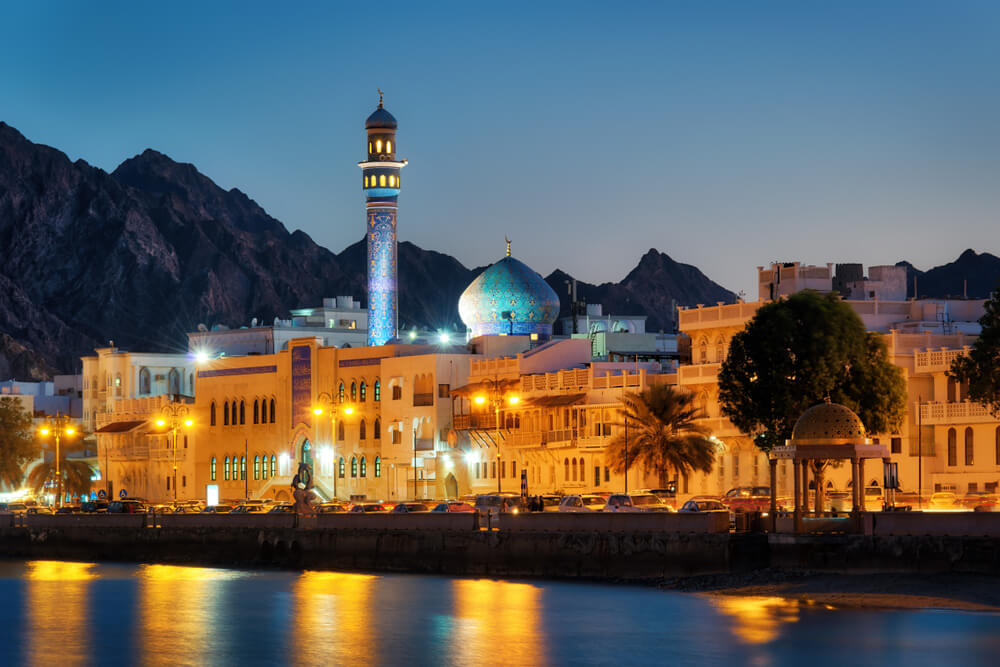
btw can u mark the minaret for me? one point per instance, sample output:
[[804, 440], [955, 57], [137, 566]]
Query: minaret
[[381, 184]]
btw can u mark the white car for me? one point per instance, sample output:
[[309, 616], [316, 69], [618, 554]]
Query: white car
[[573, 504], [640, 502]]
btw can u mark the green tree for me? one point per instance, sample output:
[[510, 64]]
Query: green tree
[[75, 473], [663, 435], [798, 352], [18, 445], [981, 367]]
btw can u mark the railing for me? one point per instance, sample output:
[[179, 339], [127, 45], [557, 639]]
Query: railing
[[423, 399], [698, 372], [130, 452], [491, 367], [936, 360], [694, 318], [954, 413], [465, 422], [561, 435], [167, 454]]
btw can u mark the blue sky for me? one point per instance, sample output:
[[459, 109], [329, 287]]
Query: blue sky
[[726, 134]]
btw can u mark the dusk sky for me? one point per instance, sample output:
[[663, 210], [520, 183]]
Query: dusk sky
[[726, 134]]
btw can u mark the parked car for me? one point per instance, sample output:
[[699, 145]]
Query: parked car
[[188, 509], [748, 498], [551, 503], [250, 508], [874, 500], [17, 508], [943, 500], [367, 508], [330, 508], [39, 509], [573, 504], [454, 506], [840, 501], [409, 508], [69, 509], [217, 509], [703, 505], [94, 506], [160, 509], [127, 506], [639, 502], [505, 502], [976, 499], [282, 509]]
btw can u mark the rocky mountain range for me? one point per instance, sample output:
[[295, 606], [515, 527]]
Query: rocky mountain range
[[144, 254]]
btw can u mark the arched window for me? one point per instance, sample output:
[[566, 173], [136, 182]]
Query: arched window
[[366, 180], [703, 352], [263, 411], [144, 381], [225, 414], [274, 467], [370, 149], [573, 465], [340, 431], [361, 430], [232, 414], [952, 390], [271, 412], [493, 468], [354, 391], [212, 471], [378, 391], [263, 467], [566, 466], [381, 180], [363, 395], [969, 446], [378, 145], [377, 429], [243, 412], [340, 468], [354, 466], [364, 467], [256, 467], [118, 384], [392, 181], [211, 414], [378, 466], [388, 146], [243, 467], [256, 411], [475, 466], [225, 469], [952, 447], [173, 382], [340, 393]]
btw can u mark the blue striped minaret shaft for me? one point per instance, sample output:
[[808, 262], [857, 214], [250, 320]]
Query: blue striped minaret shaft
[[381, 185]]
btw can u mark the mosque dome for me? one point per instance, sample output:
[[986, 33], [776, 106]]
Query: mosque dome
[[509, 297], [380, 120], [828, 424]]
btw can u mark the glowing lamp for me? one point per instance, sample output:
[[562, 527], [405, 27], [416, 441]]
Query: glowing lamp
[[513, 400], [317, 411], [201, 356], [161, 423], [44, 431], [70, 430], [480, 400], [348, 411], [189, 422], [444, 337]]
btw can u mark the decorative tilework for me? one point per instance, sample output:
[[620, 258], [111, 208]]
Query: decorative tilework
[[509, 285], [382, 294]]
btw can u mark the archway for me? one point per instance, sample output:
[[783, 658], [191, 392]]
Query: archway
[[451, 486]]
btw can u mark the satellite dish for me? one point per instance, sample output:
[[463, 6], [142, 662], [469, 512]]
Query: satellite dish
[[202, 327]]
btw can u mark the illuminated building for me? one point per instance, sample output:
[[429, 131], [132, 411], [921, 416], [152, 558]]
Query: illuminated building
[[381, 185]]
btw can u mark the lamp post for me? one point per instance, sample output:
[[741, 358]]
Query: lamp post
[[496, 398], [174, 415], [325, 403], [58, 426]]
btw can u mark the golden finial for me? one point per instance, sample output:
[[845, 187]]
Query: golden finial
[[379, 97], [508, 245]]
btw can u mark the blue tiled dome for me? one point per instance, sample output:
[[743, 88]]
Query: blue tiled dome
[[509, 285], [380, 119]]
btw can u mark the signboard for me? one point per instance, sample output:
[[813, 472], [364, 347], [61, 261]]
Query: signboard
[[891, 475], [211, 494], [122, 494], [301, 383], [102, 494]]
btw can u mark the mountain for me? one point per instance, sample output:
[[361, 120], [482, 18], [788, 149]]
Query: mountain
[[972, 275], [145, 253]]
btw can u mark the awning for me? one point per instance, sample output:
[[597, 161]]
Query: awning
[[556, 401], [484, 387], [120, 427]]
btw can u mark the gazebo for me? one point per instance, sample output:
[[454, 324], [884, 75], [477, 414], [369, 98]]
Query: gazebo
[[824, 432]]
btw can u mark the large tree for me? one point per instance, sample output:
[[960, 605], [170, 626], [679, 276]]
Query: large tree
[[18, 445], [663, 435], [981, 367], [798, 352]]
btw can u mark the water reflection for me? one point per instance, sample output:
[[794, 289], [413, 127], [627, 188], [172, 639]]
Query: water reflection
[[757, 619], [332, 619], [58, 612], [496, 623], [178, 612]]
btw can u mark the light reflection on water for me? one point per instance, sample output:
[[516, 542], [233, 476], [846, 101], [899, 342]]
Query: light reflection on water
[[62, 613]]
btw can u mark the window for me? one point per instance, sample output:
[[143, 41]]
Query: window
[[566, 466], [256, 467], [378, 392], [444, 390], [173, 382], [363, 396], [392, 180], [211, 414], [896, 445], [969, 446], [354, 391], [184, 481], [271, 413], [476, 467], [340, 431], [225, 414], [364, 467], [340, 468], [381, 180], [144, 381], [503, 470], [263, 411], [388, 146], [378, 145], [243, 412], [377, 430], [494, 468], [378, 466], [361, 430], [952, 447], [366, 180], [274, 460], [185, 442], [354, 466], [256, 411], [597, 475], [340, 393], [607, 474], [397, 392], [168, 482], [211, 470], [232, 416], [263, 467], [397, 437], [225, 469]]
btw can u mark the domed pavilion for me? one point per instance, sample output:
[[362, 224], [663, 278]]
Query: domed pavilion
[[509, 298], [824, 432]]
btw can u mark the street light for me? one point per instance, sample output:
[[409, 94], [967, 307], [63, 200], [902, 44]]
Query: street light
[[58, 426], [174, 416], [496, 397], [327, 404]]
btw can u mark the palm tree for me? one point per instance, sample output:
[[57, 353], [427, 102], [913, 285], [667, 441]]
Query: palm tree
[[75, 473], [662, 434]]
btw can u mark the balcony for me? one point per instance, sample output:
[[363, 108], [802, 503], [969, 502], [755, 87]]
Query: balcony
[[465, 422], [736, 314], [421, 400], [936, 361], [955, 413], [698, 374]]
